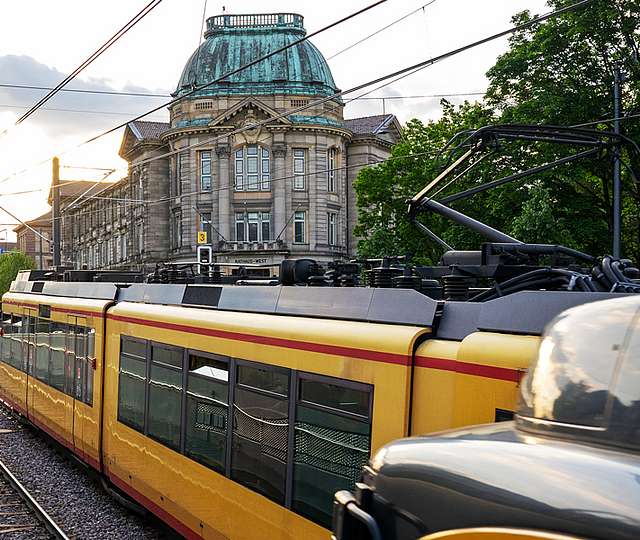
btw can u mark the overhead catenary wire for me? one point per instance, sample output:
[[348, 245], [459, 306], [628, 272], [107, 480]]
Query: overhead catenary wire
[[396, 75], [152, 202], [198, 88], [425, 63], [104, 47], [392, 23], [151, 95]]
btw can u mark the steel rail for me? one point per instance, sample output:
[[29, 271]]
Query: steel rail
[[51, 526]]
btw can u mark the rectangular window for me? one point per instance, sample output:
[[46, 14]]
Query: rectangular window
[[266, 170], [205, 224], [260, 430], [332, 442], [252, 168], [240, 228], [299, 228], [266, 226], [165, 395], [239, 170], [183, 159], [29, 343], [299, 168], [70, 358], [207, 409], [80, 369], [42, 349], [57, 342], [253, 227], [176, 229], [5, 342], [205, 170], [15, 350], [331, 170], [332, 219], [132, 382]]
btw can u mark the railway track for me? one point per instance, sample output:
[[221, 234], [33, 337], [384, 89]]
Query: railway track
[[20, 514]]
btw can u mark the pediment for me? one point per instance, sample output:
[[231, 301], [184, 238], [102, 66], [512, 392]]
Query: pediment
[[129, 139], [249, 110]]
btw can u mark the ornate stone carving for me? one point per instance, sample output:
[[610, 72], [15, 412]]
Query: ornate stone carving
[[223, 151]]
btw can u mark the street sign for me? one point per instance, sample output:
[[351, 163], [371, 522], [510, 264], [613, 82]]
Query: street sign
[[202, 237]]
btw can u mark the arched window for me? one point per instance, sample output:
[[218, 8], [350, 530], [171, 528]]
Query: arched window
[[253, 168]]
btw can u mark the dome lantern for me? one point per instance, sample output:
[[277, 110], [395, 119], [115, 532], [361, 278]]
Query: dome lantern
[[233, 41]]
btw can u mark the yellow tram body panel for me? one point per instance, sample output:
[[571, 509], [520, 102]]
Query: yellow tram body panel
[[469, 382], [73, 423], [199, 501], [13, 389]]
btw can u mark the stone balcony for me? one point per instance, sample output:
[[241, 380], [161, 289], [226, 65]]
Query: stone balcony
[[272, 245]]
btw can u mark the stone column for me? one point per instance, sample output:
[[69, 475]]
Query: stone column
[[226, 189], [279, 152]]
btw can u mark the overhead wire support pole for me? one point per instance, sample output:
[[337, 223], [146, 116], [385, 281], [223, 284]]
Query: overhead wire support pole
[[617, 111]]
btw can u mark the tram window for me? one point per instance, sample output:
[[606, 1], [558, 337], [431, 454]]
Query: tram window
[[265, 379], [207, 409], [90, 362], [260, 430], [42, 350], [80, 362], [5, 344], [335, 397], [28, 344], [69, 360], [15, 358], [10, 329], [165, 395], [167, 355], [332, 443], [132, 382], [57, 342]]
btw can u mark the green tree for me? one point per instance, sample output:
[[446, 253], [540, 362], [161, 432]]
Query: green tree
[[559, 72], [10, 264]]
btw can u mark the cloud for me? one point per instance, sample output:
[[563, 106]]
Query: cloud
[[97, 111]]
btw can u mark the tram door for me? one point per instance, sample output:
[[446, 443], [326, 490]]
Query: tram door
[[75, 366]]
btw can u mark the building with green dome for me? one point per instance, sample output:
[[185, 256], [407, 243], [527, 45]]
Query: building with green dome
[[262, 161]]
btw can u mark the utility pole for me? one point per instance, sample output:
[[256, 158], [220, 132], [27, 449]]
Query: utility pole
[[55, 186], [617, 111]]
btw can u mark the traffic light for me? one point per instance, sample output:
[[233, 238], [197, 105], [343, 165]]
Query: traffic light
[[204, 255]]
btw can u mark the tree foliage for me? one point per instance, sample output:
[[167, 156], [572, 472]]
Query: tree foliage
[[559, 72], [10, 264]]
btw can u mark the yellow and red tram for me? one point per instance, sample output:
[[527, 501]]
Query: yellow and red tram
[[235, 423]]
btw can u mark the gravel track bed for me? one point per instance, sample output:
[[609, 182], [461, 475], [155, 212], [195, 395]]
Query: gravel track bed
[[71, 496]]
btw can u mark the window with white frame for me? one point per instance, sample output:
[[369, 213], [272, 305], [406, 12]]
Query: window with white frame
[[118, 244], [299, 168], [253, 227], [253, 168], [299, 228], [332, 161], [332, 230], [205, 170]]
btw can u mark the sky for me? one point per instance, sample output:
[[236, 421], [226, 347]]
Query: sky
[[42, 41]]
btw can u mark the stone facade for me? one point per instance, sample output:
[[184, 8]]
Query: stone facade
[[253, 162], [37, 246]]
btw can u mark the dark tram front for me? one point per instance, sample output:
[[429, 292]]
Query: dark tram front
[[569, 466]]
